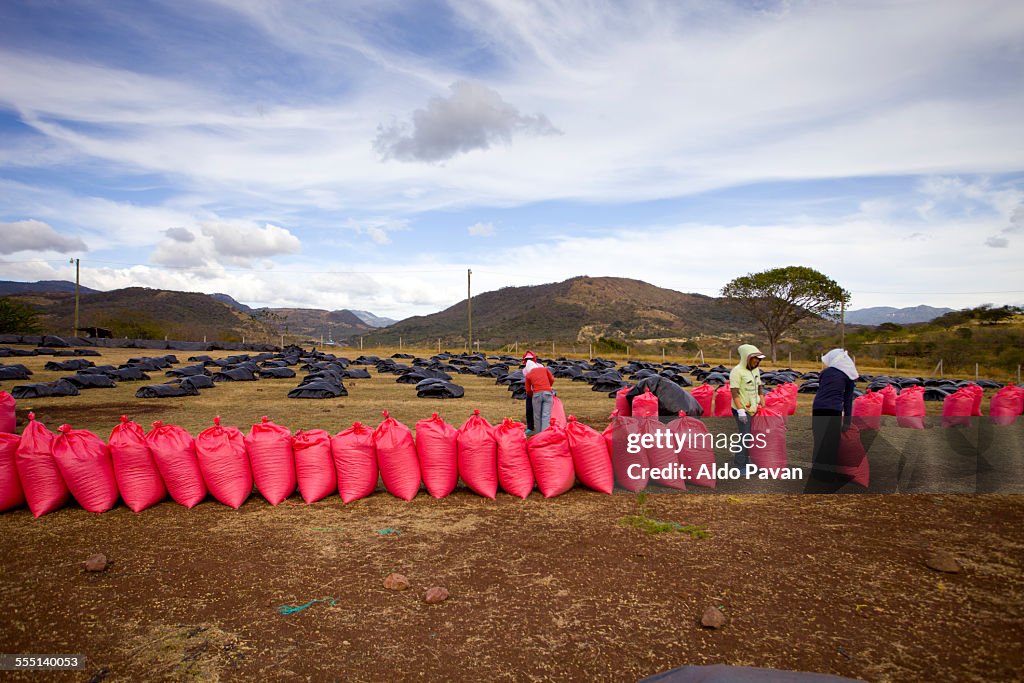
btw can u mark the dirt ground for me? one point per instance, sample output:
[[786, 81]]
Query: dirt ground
[[540, 589]]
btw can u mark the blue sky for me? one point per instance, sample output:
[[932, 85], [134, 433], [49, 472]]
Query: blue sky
[[365, 154]]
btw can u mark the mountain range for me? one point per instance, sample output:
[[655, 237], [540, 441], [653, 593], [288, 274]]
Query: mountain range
[[579, 309], [887, 314]]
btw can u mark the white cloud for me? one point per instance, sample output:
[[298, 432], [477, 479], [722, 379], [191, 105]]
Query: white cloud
[[33, 235], [242, 240], [473, 117], [482, 230], [377, 229], [180, 234]]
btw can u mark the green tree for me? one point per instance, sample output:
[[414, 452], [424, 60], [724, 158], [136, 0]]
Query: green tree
[[781, 297], [17, 317]]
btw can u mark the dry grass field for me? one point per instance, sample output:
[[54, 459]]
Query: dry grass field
[[541, 589]]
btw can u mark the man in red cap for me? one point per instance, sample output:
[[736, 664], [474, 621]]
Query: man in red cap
[[539, 391]]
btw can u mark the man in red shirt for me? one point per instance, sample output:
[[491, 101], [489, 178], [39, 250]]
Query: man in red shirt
[[539, 382]]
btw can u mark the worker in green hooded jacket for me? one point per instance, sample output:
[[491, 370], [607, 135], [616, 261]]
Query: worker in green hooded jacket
[[747, 394]]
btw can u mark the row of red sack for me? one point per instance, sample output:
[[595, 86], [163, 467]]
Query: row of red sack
[[713, 402], [957, 408], [43, 468]]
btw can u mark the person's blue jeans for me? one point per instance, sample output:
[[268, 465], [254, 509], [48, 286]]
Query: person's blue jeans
[[542, 402], [742, 457]]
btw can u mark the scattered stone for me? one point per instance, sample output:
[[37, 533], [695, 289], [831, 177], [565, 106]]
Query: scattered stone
[[942, 561], [712, 618], [435, 595], [396, 582], [96, 563]]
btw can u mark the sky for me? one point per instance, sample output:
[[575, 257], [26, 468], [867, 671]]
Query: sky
[[367, 154]]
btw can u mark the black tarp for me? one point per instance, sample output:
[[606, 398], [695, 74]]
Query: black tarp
[[187, 371], [235, 375], [276, 373], [94, 381], [60, 387], [320, 388], [420, 374], [355, 373], [166, 390], [129, 374], [438, 388], [73, 364], [197, 381], [671, 397], [14, 371]]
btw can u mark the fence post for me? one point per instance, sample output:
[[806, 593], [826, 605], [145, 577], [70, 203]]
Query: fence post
[[592, 355], [662, 354], [975, 371]]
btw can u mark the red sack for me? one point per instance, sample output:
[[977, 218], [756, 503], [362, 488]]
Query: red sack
[[269, 447], [782, 398], [1006, 405], [11, 493], [224, 463], [770, 425], [174, 451], [697, 455], [777, 401], [551, 460], [478, 456], [888, 393], [84, 462], [867, 411], [590, 456], [314, 464], [630, 463], [515, 473], [723, 401], [852, 458], [557, 411], [6, 413], [355, 460], [661, 455], [396, 456], [41, 480], [978, 393], [438, 453], [136, 473], [645, 404], [789, 391], [910, 410], [622, 402], [957, 408], [704, 394]]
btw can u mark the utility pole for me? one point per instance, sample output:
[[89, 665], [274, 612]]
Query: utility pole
[[842, 324], [77, 262], [469, 305]]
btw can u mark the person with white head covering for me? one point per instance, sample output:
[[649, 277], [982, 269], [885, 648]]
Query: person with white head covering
[[832, 412], [530, 363]]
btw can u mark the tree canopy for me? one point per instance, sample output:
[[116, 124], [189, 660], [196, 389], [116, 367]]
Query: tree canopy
[[781, 297], [17, 317]]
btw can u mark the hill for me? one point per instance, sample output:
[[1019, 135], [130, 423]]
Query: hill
[[374, 320], [143, 313], [314, 322], [901, 316], [580, 309], [8, 287]]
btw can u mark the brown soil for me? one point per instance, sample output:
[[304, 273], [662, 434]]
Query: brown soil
[[540, 589]]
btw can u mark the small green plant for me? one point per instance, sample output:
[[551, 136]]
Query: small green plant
[[653, 526]]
